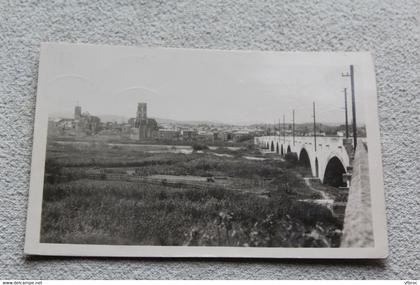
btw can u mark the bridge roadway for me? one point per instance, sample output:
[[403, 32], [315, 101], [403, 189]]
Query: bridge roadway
[[328, 159]]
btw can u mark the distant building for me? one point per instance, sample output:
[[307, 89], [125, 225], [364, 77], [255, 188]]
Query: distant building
[[125, 128], [227, 136], [188, 134], [66, 124], [77, 112], [205, 136], [216, 136], [319, 134], [110, 125], [240, 135], [81, 124], [168, 134], [141, 121], [132, 122], [146, 127], [85, 123]]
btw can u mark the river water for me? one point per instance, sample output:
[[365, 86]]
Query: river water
[[158, 148], [149, 148]]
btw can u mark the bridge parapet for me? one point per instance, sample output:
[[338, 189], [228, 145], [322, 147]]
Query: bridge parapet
[[358, 229]]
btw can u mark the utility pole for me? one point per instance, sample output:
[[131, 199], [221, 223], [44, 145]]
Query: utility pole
[[314, 126], [293, 128], [353, 103], [274, 128], [284, 128], [347, 119]]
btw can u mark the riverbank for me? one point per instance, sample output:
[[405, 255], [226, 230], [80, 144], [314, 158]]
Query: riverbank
[[150, 201]]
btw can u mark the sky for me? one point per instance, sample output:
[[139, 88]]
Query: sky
[[197, 85]]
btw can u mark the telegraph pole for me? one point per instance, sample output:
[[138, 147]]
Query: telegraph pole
[[353, 103], [347, 119], [274, 127], [293, 127], [314, 126], [284, 128]]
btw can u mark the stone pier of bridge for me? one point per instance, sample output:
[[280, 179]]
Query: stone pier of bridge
[[333, 159], [330, 158]]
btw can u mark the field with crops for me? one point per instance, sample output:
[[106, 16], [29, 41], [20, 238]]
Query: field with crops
[[98, 193]]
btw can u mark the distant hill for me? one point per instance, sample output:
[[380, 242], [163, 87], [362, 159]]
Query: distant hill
[[123, 119], [193, 123], [61, 115], [112, 118], [104, 118]]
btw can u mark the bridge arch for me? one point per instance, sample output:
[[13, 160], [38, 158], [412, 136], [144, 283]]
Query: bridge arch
[[319, 159], [334, 171], [305, 161]]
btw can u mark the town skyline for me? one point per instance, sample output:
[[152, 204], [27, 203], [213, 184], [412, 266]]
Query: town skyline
[[123, 119], [221, 86]]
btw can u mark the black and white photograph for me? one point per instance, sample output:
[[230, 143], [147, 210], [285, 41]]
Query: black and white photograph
[[205, 153]]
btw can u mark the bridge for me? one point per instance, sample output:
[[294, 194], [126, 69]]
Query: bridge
[[328, 159]]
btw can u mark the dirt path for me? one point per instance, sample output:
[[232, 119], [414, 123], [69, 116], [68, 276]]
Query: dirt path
[[322, 193]]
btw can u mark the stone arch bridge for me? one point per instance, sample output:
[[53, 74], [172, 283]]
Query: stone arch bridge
[[329, 159]]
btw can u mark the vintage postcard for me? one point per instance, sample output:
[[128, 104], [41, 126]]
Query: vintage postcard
[[157, 152]]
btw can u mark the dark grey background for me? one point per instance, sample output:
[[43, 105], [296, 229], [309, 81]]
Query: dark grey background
[[389, 29]]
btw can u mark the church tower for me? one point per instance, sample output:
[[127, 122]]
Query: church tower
[[142, 111], [77, 112], [141, 120]]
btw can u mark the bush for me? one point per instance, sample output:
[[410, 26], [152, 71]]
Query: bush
[[79, 210], [291, 156], [199, 146], [310, 213]]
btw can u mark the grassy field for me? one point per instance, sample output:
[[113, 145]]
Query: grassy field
[[77, 209]]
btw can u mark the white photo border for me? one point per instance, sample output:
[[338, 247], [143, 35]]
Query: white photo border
[[361, 60]]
